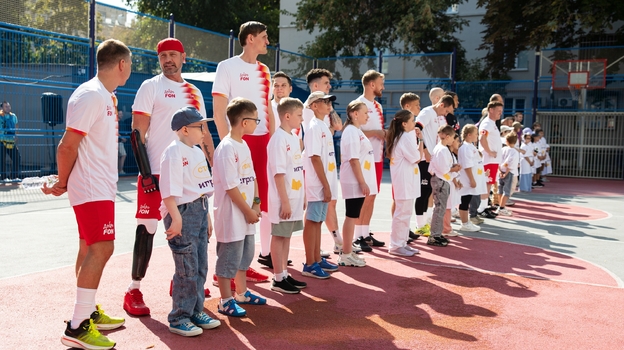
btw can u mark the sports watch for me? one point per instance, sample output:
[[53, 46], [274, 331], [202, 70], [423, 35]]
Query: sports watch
[[256, 200]]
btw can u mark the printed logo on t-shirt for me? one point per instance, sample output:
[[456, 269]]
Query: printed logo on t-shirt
[[480, 171], [207, 183], [108, 229], [109, 111], [288, 148], [297, 158], [169, 93], [244, 196], [201, 171], [331, 166], [244, 77], [367, 165], [144, 209], [184, 161], [416, 171], [296, 185], [245, 168]]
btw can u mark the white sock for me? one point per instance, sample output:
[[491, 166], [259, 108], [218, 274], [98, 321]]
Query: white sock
[[429, 214], [278, 277], [357, 232], [265, 234], [223, 301], [134, 285], [420, 221], [365, 231], [284, 274], [84, 307], [483, 205], [337, 237]]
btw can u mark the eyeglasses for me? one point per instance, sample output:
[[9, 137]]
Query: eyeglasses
[[324, 101], [200, 126], [257, 120]]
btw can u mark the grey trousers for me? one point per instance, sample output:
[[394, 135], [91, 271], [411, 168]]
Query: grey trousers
[[441, 190]]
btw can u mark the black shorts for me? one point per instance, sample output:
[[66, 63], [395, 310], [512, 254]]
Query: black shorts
[[353, 207]]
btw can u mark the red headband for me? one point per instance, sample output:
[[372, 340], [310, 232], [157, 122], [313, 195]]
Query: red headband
[[170, 44]]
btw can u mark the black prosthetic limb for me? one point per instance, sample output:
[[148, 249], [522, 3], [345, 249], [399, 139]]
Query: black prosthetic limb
[[142, 252]]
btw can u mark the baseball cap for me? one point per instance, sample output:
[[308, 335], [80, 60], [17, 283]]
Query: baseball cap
[[318, 95], [186, 116], [505, 128], [170, 44], [527, 131]]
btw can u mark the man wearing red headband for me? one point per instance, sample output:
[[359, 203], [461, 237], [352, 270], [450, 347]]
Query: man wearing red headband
[[243, 76], [155, 103]]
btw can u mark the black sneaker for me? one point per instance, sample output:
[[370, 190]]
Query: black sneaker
[[493, 211], [410, 241], [265, 260], [487, 214], [361, 242], [370, 240], [444, 240], [296, 283], [413, 236], [437, 241], [540, 183], [284, 286]]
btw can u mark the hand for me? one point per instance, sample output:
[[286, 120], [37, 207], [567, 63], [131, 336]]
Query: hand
[[418, 133], [456, 168], [427, 156], [285, 211], [252, 216], [473, 184], [458, 185], [210, 229], [149, 184], [56, 190], [326, 195], [365, 189], [487, 173], [174, 230]]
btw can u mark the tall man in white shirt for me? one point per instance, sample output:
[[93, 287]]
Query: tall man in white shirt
[[375, 130], [243, 76], [490, 144]]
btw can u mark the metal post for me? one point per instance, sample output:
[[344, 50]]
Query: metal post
[[380, 61], [231, 44], [315, 63], [92, 69], [171, 26], [538, 69], [453, 68], [277, 57]]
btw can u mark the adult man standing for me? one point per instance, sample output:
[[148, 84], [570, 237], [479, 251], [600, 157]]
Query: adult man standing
[[87, 171], [450, 117], [244, 76], [156, 101], [375, 130], [490, 144], [282, 87], [8, 141]]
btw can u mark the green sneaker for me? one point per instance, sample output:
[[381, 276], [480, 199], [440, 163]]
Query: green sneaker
[[86, 337], [104, 322], [425, 230]]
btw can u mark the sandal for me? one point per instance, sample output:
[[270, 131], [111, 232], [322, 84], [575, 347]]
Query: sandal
[[249, 298]]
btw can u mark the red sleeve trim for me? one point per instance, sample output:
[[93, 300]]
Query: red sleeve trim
[[76, 131]]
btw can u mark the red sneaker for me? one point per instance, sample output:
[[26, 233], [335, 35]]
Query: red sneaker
[[215, 282], [255, 276], [206, 291], [134, 304]]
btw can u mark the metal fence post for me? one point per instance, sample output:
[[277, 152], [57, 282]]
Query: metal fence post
[[277, 57], [171, 26], [92, 39], [380, 61], [314, 63], [453, 69], [231, 44], [538, 56]]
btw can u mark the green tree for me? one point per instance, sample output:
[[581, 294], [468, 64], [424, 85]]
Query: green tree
[[514, 26]]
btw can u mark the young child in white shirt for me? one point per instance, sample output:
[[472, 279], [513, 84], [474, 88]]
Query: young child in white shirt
[[237, 208], [405, 154], [286, 192], [454, 199], [185, 185], [526, 163], [357, 177], [507, 171], [472, 175]]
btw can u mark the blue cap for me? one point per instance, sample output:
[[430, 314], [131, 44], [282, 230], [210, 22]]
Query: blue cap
[[186, 116]]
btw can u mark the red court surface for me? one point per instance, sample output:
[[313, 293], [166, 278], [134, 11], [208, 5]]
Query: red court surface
[[581, 187], [473, 294], [542, 211]]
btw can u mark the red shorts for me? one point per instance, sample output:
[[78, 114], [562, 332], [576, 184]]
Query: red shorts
[[379, 171], [493, 168], [96, 221], [148, 204], [258, 146]]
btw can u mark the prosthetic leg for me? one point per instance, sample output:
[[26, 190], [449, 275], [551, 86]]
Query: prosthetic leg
[[143, 242]]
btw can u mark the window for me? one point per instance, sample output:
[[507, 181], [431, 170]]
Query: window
[[522, 61], [453, 10]]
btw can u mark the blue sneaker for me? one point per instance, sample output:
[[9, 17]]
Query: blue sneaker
[[249, 298], [204, 321], [315, 271], [231, 308], [187, 329], [327, 266]]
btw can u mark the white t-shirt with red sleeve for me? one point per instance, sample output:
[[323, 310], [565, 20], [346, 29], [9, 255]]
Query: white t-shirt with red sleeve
[[286, 159], [159, 98], [355, 145], [92, 113], [237, 78], [488, 129], [232, 168], [404, 170], [375, 122], [430, 122], [318, 141], [184, 175]]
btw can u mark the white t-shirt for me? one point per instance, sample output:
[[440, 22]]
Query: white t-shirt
[[184, 174], [441, 163], [355, 145], [468, 157], [510, 160], [159, 98], [92, 113], [375, 122], [308, 115], [318, 141], [278, 122], [237, 78], [404, 167], [488, 129], [431, 122], [232, 168], [454, 198], [285, 159], [525, 167]]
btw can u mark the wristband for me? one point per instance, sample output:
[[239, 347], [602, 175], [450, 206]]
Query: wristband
[[256, 200]]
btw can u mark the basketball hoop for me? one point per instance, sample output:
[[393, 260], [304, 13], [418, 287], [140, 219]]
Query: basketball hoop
[[578, 76]]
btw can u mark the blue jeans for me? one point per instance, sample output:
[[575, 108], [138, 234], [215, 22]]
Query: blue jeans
[[190, 255]]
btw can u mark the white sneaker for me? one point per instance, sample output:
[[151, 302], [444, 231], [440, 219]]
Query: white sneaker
[[401, 251], [350, 259], [455, 213], [337, 249], [470, 227], [510, 203], [504, 212], [325, 254], [412, 249], [453, 234]]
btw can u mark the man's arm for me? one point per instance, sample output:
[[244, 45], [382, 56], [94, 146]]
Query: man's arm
[[486, 147], [380, 134], [208, 147], [140, 122], [271, 122], [66, 156], [219, 105]]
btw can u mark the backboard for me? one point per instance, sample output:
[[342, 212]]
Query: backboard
[[579, 74]]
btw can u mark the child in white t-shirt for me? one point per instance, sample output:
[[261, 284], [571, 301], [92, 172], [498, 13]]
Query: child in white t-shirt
[[185, 185], [405, 154], [286, 192], [472, 175], [454, 198], [237, 208], [506, 172], [526, 163], [357, 177]]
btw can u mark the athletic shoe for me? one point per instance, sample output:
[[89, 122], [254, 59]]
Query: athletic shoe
[[103, 322], [255, 276], [444, 239], [425, 230], [186, 329], [510, 203], [487, 214], [469, 227], [249, 298], [265, 260], [452, 234], [356, 248], [455, 213], [371, 241], [416, 251], [86, 336], [437, 241], [337, 249], [540, 183], [206, 291], [504, 212], [476, 220], [361, 242], [134, 304], [327, 266], [401, 251], [215, 282], [315, 271], [204, 321], [350, 259], [231, 308], [413, 236], [284, 286], [325, 254], [296, 283]]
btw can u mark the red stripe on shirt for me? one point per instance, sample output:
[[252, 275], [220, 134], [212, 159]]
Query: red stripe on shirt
[[381, 118], [76, 131], [265, 74]]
